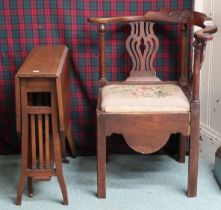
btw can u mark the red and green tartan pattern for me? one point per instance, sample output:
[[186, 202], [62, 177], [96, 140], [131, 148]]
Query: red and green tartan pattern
[[25, 24]]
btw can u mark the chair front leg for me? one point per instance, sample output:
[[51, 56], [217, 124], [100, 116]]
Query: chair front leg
[[194, 151], [101, 158]]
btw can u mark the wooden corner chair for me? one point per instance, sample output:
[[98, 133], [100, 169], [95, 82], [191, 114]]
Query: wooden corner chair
[[143, 108]]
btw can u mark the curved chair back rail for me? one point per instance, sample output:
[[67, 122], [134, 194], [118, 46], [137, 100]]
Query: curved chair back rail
[[184, 17], [168, 15]]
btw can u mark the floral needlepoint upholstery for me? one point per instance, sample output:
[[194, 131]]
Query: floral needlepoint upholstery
[[144, 98]]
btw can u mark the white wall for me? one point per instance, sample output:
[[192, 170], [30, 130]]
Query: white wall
[[211, 84]]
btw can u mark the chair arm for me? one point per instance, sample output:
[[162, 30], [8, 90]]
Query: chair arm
[[205, 34], [115, 19], [201, 37]]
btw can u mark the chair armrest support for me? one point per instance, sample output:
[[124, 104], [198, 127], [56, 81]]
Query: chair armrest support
[[201, 37], [195, 80], [102, 66]]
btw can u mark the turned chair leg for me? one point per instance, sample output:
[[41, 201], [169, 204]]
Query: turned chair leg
[[194, 152], [101, 159]]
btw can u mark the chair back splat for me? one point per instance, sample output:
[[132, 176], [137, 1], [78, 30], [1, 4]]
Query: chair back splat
[[142, 29], [142, 45]]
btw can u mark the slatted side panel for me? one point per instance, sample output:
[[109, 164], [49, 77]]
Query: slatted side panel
[[40, 141], [33, 142], [47, 142]]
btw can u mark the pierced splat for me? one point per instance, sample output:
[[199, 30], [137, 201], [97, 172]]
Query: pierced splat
[[142, 45]]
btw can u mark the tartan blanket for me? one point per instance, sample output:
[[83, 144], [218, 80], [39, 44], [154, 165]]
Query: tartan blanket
[[27, 23]]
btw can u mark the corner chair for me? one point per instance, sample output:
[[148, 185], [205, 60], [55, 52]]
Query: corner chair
[[143, 108]]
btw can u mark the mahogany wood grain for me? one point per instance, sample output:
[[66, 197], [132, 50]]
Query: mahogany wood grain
[[47, 143], [164, 15], [18, 104], [184, 55], [102, 65], [199, 48], [30, 186], [71, 141], [142, 45], [33, 141], [41, 173], [56, 144], [194, 150], [24, 142], [40, 141], [43, 62], [101, 157], [63, 84], [154, 137], [43, 114], [148, 132], [182, 148], [67, 135]]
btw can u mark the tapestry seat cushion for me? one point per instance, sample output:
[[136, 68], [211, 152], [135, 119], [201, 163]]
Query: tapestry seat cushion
[[143, 98]]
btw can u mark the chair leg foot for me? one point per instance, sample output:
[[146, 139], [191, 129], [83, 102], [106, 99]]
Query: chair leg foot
[[20, 189], [191, 194], [58, 166], [63, 150], [30, 187], [65, 160], [101, 192], [59, 173], [63, 189], [101, 179], [57, 151], [193, 173], [194, 152]]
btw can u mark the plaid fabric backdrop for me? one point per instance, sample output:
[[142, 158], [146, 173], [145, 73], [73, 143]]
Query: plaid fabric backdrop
[[26, 23]]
